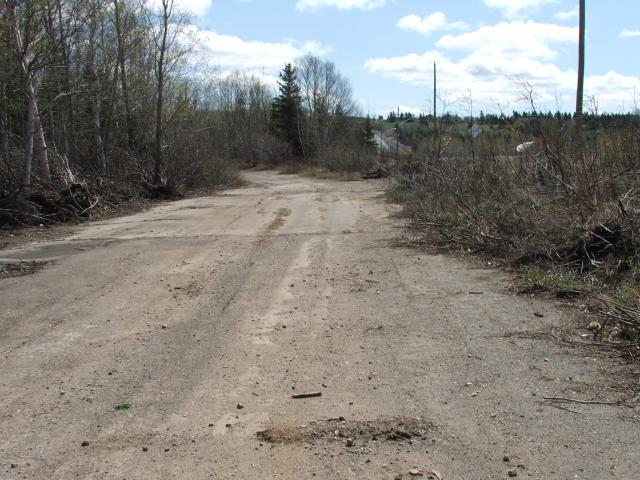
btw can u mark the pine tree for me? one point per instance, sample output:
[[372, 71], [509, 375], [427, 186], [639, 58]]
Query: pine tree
[[286, 109], [368, 135]]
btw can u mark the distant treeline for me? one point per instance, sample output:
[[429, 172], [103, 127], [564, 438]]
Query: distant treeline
[[591, 120]]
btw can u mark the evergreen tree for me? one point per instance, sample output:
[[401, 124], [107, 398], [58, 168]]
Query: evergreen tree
[[368, 135], [286, 109]]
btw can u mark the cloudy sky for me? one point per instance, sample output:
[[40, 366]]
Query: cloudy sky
[[485, 49]]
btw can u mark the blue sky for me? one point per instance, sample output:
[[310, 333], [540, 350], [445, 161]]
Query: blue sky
[[485, 49]]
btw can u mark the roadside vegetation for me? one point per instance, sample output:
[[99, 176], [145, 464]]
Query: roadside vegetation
[[561, 209], [553, 196], [104, 103]]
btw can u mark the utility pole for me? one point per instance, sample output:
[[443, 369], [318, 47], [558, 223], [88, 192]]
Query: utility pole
[[435, 80], [580, 90], [398, 135], [579, 102], [435, 111], [381, 140]]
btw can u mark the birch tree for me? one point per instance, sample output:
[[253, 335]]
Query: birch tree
[[29, 53]]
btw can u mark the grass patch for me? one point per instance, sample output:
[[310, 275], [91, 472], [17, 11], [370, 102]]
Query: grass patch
[[627, 294], [400, 193], [121, 407], [534, 278]]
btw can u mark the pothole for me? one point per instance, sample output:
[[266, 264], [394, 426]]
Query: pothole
[[19, 269], [364, 434]]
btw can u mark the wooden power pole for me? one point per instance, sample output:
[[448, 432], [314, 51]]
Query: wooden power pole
[[435, 82], [579, 141], [580, 90]]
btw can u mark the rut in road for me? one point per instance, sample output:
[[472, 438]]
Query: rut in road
[[203, 317]]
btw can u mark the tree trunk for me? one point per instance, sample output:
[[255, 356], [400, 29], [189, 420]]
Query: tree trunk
[[41, 149], [28, 137], [33, 124], [95, 95], [123, 74], [4, 121], [110, 114], [166, 13]]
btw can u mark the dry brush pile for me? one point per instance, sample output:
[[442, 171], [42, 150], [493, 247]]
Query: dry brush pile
[[565, 211]]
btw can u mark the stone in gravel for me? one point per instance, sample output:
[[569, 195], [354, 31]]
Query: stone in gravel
[[240, 406], [350, 442], [414, 472], [145, 449], [506, 459], [512, 473], [84, 444]]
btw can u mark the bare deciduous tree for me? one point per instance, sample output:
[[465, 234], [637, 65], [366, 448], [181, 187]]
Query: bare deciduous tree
[[29, 54], [326, 96]]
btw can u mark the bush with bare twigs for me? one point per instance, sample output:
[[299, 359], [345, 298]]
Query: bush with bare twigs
[[552, 205]]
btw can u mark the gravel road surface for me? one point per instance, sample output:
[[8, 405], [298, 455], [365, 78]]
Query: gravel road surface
[[158, 345]]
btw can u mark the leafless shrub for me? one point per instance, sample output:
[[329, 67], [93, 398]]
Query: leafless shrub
[[540, 204]]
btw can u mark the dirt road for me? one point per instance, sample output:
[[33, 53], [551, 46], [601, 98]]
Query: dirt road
[[155, 346]]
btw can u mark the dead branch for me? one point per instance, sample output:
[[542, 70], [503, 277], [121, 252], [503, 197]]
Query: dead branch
[[576, 400]]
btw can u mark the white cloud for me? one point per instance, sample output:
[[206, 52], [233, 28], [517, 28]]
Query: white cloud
[[435, 21], [514, 8], [568, 14], [513, 39], [409, 109], [194, 7], [304, 5], [492, 80], [234, 53], [493, 62], [630, 33]]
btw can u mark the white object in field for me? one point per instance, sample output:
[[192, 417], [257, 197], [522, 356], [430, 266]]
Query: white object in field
[[524, 147], [475, 131]]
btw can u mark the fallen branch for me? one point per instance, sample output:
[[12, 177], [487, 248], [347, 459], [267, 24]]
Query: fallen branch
[[37, 217], [560, 407], [307, 395], [575, 400]]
